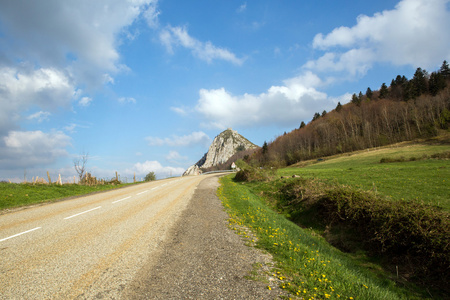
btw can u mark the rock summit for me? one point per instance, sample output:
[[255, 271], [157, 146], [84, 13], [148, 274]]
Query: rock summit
[[224, 146]]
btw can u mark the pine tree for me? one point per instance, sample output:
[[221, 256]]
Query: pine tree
[[360, 96], [369, 93], [265, 148], [316, 116], [339, 107], [356, 100], [436, 83], [407, 91], [302, 124], [445, 70], [384, 92], [419, 83]]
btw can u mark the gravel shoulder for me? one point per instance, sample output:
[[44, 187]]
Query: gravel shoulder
[[201, 258]]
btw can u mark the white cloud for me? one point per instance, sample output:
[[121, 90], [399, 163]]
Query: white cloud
[[46, 87], [48, 51], [355, 62], [172, 37], [127, 100], [284, 105], [142, 169], [39, 116], [32, 148], [22, 88], [71, 128], [151, 15], [174, 156], [242, 8], [81, 36], [85, 101], [193, 139], [414, 33], [179, 110]]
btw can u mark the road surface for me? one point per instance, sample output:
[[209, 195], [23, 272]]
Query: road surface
[[161, 240], [91, 246]]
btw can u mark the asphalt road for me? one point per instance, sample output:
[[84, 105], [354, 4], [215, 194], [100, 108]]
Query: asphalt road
[[89, 247]]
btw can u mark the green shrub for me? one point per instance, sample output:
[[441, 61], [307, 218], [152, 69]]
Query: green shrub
[[150, 176], [391, 160], [442, 155], [407, 234], [248, 173]]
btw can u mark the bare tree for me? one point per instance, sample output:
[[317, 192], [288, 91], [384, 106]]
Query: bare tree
[[80, 164]]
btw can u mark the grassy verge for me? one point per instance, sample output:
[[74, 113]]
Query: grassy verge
[[18, 194], [307, 266], [387, 209]]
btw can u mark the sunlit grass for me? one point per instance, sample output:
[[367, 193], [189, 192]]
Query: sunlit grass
[[306, 265], [425, 180]]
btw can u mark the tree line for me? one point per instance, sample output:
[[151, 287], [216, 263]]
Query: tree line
[[406, 110]]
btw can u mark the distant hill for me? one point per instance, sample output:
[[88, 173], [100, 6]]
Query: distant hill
[[406, 110], [223, 147]]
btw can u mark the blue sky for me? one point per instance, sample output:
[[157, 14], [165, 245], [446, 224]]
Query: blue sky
[[145, 85]]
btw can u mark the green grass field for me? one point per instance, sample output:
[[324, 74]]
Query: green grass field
[[19, 194], [426, 180], [306, 265]]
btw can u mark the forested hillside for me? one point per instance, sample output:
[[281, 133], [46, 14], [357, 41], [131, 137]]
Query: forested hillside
[[406, 110]]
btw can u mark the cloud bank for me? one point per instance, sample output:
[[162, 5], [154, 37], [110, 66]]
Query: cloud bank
[[193, 139], [282, 105], [47, 51], [414, 33], [142, 169], [27, 149], [172, 37]]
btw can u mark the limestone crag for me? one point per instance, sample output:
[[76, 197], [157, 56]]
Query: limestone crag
[[192, 170], [224, 146]]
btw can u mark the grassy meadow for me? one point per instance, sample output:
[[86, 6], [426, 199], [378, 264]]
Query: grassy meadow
[[307, 266], [417, 177]]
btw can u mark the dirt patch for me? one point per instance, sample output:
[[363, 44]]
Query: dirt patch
[[201, 258]]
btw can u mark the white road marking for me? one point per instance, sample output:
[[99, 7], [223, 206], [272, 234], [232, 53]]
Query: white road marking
[[142, 192], [10, 237], [122, 199], [82, 213], [155, 188]]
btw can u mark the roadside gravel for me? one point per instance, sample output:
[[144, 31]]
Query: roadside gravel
[[201, 258]]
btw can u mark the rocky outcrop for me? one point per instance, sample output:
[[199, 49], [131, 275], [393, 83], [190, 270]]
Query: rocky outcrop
[[192, 170], [225, 145]]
